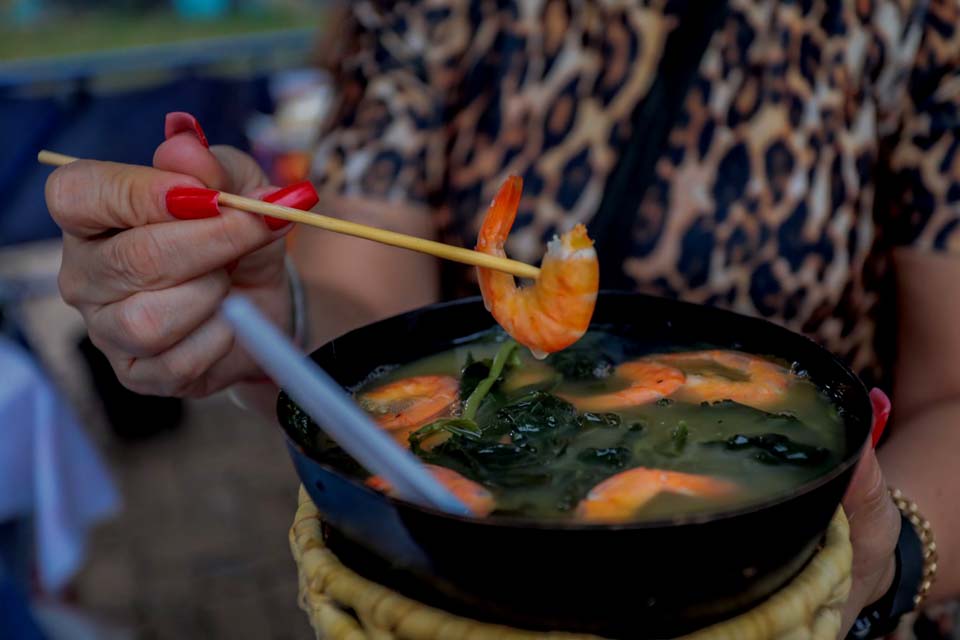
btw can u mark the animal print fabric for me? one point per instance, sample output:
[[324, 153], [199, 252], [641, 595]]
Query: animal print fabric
[[817, 137]]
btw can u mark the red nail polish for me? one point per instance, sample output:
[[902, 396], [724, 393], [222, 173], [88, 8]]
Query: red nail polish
[[180, 121], [881, 412], [301, 196], [193, 203]]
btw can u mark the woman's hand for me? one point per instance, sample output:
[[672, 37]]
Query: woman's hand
[[148, 284], [874, 530]]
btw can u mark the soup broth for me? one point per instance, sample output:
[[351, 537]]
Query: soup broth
[[547, 432]]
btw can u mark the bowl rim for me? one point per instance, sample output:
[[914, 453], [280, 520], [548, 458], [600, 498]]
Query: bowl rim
[[514, 522]]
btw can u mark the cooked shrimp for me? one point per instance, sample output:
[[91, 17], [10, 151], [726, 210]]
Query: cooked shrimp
[[649, 380], [620, 497], [729, 375], [405, 405], [555, 311], [473, 495]]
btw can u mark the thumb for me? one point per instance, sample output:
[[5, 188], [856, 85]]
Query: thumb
[[223, 168], [867, 502], [874, 529]]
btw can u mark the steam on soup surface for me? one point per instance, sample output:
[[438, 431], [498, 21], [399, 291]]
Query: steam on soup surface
[[601, 432]]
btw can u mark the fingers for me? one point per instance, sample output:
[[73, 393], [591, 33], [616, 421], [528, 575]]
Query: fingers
[[244, 173], [146, 324], [867, 497], [158, 256], [179, 370], [220, 167], [874, 530], [87, 198]]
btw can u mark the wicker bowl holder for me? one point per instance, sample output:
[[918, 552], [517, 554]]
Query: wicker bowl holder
[[342, 605]]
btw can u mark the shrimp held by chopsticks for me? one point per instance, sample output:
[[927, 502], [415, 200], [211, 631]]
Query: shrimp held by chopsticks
[[555, 311]]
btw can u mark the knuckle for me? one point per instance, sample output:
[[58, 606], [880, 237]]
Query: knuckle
[[196, 389], [133, 384], [182, 369], [141, 325], [69, 281], [64, 190], [119, 195], [140, 263], [56, 200]]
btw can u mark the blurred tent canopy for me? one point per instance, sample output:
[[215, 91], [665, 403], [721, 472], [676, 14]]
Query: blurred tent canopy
[[95, 79]]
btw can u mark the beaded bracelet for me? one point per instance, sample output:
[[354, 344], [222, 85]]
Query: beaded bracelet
[[911, 512]]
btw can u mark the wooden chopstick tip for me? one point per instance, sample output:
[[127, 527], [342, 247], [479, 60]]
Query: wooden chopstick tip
[[52, 158]]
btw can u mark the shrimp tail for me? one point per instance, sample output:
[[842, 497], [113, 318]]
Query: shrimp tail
[[499, 220]]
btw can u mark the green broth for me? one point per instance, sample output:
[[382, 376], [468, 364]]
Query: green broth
[[557, 453]]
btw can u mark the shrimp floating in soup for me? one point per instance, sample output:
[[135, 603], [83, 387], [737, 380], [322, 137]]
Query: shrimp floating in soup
[[604, 431]]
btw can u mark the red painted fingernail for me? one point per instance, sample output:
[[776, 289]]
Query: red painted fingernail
[[881, 412], [180, 121], [301, 196], [193, 203]]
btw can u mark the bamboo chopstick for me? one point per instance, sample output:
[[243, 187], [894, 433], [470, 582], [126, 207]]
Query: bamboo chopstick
[[383, 236]]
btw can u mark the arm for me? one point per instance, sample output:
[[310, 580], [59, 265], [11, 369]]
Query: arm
[[351, 281], [916, 186], [922, 455]]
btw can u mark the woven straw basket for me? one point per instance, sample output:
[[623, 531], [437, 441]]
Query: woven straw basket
[[807, 608]]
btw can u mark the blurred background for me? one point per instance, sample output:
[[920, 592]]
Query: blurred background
[[123, 516]]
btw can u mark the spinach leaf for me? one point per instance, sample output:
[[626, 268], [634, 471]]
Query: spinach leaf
[[613, 457], [517, 446], [455, 426], [472, 403], [472, 374], [476, 383], [677, 442], [775, 448], [734, 412], [581, 363], [540, 420], [589, 419]]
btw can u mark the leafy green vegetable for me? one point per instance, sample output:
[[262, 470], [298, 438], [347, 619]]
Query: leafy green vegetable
[[476, 382], [677, 442], [679, 435], [615, 457], [472, 374], [472, 403], [589, 419], [581, 363], [539, 419], [518, 444], [455, 426], [775, 448]]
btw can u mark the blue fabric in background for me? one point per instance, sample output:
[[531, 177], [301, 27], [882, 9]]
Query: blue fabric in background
[[120, 126]]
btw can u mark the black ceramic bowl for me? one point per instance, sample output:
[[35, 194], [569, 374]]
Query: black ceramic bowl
[[649, 579]]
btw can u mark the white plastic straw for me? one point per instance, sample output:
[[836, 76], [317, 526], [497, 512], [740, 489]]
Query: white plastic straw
[[334, 410]]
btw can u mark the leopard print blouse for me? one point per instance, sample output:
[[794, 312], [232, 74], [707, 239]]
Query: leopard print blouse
[[817, 136]]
